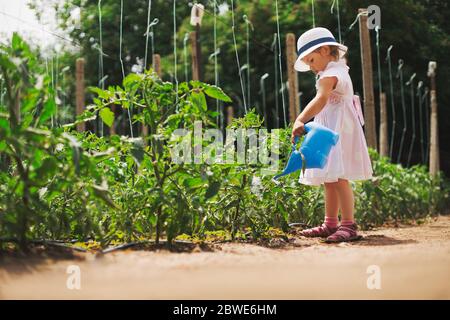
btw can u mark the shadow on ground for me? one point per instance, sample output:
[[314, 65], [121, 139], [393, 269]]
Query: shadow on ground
[[381, 240]]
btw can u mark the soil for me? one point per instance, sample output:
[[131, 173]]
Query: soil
[[411, 262]]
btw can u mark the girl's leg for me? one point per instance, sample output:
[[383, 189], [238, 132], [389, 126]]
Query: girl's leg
[[331, 214], [331, 200], [348, 227], [346, 200]]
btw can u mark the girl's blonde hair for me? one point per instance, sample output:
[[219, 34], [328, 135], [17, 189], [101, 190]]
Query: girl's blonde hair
[[334, 52]]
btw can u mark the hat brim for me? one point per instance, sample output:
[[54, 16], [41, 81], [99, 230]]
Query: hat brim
[[302, 67]]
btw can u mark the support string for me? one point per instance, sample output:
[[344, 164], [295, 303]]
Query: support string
[[391, 92], [129, 111], [237, 56], [338, 18], [413, 115], [185, 56], [402, 94], [147, 33], [426, 98], [419, 95], [101, 71], [248, 25], [279, 61], [275, 53], [216, 71]]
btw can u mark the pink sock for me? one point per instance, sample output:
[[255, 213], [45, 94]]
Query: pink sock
[[331, 222], [347, 223]]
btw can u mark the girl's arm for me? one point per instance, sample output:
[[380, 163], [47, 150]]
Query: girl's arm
[[326, 85]]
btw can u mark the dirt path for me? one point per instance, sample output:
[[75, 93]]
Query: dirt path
[[414, 262]]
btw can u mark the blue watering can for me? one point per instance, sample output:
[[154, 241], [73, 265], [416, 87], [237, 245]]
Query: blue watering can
[[313, 152]]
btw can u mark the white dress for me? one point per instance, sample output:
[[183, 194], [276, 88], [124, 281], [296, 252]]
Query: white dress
[[349, 158]]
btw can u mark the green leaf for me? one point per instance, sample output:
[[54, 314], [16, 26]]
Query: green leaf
[[199, 100], [214, 114], [17, 42], [130, 79], [107, 116], [47, 168], [101, 156], [213, 189], [193, 182], [103, 194], [138, 153], [76, 150], [104, 94], [216, 93], [4, 128], [30, 101], [231, 204], [48, 111], [195, 83]]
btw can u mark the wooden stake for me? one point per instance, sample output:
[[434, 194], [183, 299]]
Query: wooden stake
[[80, 98], [196, 19], [144, 131], [230, 114], [434, 133], [196, 54], [291, 55], [157, 64], [384, 150], [366, 59]]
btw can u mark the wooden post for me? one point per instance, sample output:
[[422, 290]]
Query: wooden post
[[291, 55], [80, 102], [366, 59], [157, 64], [230, 114], [144, 131], [196, 19], [196, 55], [434, 133], [384, 150]]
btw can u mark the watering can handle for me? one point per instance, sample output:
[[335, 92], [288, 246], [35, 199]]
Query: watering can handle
[[296, 138]]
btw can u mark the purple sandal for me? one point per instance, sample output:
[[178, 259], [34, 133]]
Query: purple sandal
[[322, 231], [344, 234]]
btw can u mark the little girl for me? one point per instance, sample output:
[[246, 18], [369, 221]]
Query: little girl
[[333, 107]]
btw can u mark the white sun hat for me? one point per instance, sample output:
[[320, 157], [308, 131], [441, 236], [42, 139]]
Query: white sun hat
[[310, 41]]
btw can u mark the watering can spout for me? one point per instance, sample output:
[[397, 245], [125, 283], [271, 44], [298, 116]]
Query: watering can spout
[[313, 152], [295, 162]]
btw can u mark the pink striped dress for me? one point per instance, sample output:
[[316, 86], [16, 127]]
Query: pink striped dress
[[349, 159]]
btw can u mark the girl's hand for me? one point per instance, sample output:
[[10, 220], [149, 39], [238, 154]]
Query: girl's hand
[[297, 130]]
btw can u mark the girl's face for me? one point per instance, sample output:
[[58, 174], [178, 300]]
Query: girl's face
[[318, 59]]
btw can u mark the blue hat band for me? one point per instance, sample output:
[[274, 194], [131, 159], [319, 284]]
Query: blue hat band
[[314, 42]]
